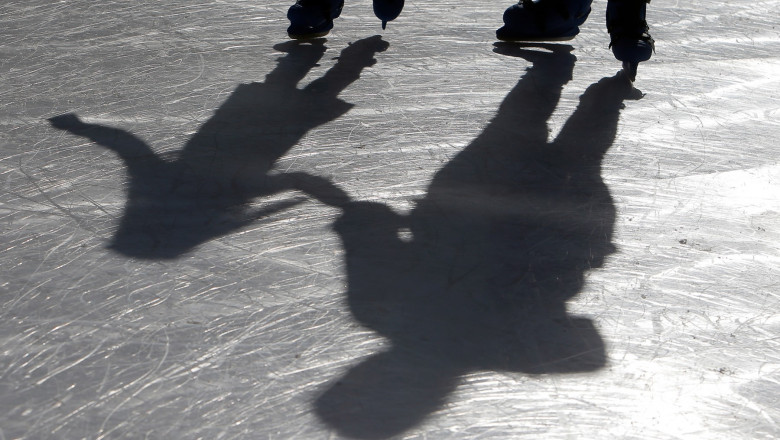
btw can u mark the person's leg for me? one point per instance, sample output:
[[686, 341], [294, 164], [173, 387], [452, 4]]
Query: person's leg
[[630, 38], [544, 20]]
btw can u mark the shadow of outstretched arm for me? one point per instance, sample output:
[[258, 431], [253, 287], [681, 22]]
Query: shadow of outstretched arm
[[125, 144]]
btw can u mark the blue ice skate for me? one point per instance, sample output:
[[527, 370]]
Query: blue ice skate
[[630, 38], [312, 18], [387, 10], [543, 20]]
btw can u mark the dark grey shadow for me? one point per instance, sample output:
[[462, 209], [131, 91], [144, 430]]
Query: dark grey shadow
[[477, 276], [177, 203]]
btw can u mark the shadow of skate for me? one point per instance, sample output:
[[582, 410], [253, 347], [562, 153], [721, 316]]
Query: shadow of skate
[[175, 204], [477, 276]]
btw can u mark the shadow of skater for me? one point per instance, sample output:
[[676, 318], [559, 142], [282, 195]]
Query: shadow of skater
[[175, 204], [477, 276]]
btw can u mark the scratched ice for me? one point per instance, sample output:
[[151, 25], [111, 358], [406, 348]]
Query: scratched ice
[[210, 231]]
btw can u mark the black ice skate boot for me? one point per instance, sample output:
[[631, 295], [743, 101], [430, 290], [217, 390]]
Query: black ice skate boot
[[387, 10], [312, 18], [544, 20], [630, 38]]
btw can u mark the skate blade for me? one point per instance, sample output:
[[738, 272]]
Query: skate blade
[[629, 70], [537, 40], [311, 36]]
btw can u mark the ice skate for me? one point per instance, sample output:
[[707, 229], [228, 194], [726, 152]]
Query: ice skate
[[543, 20], [630, 39], [387, 10], [312, 18]]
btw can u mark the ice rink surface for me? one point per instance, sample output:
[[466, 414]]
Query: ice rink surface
[[210, 231]]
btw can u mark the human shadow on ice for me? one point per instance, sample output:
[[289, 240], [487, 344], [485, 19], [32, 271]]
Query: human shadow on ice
[[201, 193], [477, 276]]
